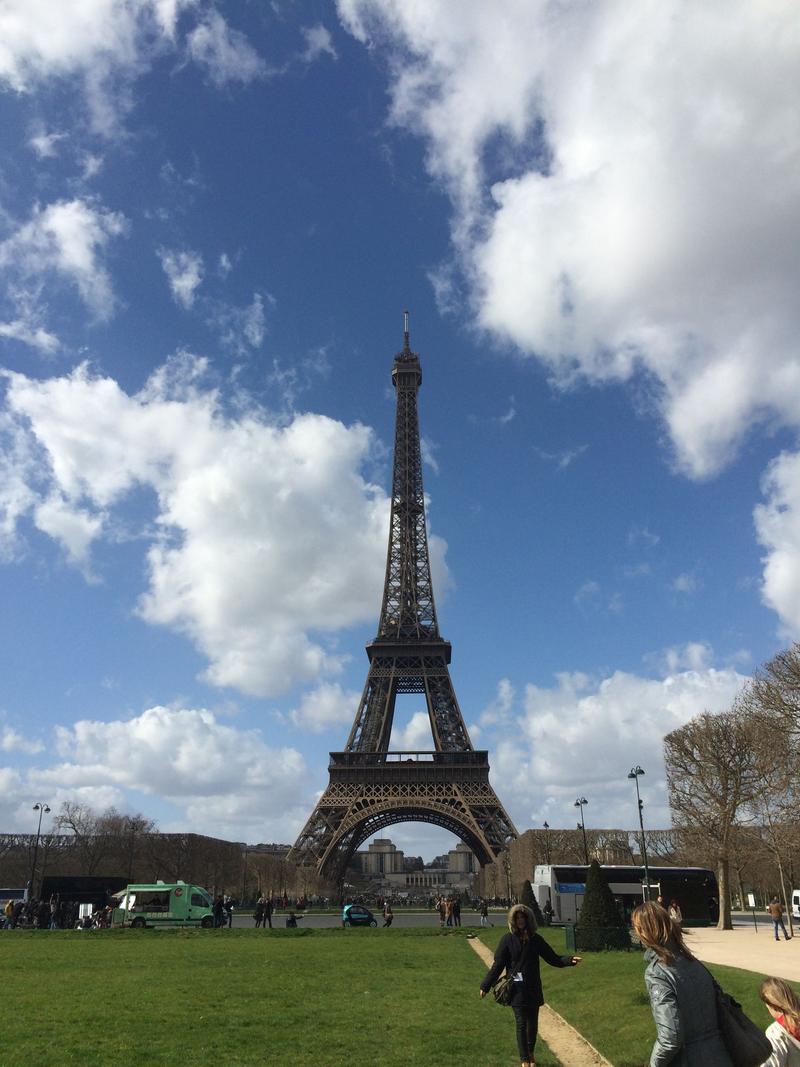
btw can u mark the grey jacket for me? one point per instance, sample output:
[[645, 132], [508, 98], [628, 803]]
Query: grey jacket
[[685, 1013]]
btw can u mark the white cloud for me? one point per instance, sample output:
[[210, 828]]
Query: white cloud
[[266, 539], [625, 195], [44, 144], [499, 710], [74, 528], [562, 459], [641, 535], [415, 736], [685, 583], [214, 775], [226, 54], [325, 707], [693, 656], [13, 741], [18, 464], [241, 329], [106, 45], [92, 165], [66, 239], [30, 333], [318, 43], [777, 523], [428, 449], [587, 596], [582, 736], [184, 271], [172, 752], [103, 42]]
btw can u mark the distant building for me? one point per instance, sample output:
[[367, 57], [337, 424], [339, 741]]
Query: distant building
[[384, 864], [382, 857]]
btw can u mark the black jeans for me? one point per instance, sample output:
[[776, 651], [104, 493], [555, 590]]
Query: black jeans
[[527, 1020]]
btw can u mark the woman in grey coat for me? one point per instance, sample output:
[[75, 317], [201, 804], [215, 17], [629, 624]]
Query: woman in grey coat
[[681, 995]]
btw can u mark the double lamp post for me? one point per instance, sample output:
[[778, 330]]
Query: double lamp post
[[581, 802], [43, 809]]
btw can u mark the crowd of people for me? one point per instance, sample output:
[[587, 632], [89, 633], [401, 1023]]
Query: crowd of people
[[53, 914]]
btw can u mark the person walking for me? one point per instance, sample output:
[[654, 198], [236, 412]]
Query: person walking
[[258, 913], [775, 908], [456, 911], [783, 1004], [519, 953], [218, 911], [269, 908], [484, 910], [388, 914], [682, 995], [675, 913]]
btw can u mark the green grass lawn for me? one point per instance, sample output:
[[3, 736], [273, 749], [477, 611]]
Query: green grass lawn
[[284, 998], [605, 997], [323, 998]]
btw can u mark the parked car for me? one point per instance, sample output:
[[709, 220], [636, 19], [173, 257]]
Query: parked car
[[357, 915]]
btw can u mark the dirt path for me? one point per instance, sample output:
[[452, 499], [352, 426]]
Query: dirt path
[[565, 1042]]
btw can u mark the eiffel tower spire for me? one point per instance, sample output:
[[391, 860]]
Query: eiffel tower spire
[[370, 787], [408, 655]]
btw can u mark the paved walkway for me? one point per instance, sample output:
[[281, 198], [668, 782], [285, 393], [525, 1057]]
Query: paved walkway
[[564, 1041], [742, 947]]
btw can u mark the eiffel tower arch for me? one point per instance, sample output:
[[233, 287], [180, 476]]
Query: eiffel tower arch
[[370, 787]]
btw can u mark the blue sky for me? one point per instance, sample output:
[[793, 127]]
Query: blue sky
[[211, 219]]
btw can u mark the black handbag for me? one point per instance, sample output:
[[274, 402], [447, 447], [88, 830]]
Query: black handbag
[[746, 1043], [503, 989]]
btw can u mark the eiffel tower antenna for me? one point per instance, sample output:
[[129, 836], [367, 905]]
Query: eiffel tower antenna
[[370, 787]]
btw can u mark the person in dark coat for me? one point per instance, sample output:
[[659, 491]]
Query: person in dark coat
[[519, 953], [681, 994]]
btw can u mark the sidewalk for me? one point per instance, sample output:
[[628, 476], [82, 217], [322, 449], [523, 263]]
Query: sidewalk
[[747, 949]]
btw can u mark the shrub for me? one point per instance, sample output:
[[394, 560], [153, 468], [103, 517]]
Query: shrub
[[529, 900], [600, 925]]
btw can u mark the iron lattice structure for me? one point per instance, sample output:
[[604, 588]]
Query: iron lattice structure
[[370, 787]]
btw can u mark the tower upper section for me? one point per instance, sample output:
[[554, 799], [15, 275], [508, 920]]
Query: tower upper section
[[408, 612]]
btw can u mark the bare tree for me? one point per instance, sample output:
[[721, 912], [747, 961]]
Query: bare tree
[[776, 803], [712, 777], [775, 693], [91, 843]]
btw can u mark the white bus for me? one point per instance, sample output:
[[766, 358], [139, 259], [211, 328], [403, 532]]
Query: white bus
[[694, 888]]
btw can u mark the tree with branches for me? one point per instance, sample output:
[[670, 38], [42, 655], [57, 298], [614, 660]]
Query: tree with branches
[[712, 778]]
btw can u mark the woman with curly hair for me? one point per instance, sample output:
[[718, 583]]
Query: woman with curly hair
[[519, 953]]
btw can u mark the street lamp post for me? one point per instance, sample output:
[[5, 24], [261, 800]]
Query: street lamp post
[[43, 809], [579, 803], [547, 842], [634, 773]]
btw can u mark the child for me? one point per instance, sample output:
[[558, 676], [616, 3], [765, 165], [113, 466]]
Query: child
[[783, 1004]]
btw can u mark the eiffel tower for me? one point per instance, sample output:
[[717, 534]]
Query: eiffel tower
[[370, 787]]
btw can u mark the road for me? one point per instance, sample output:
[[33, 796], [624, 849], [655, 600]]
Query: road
[[318, 921], [323, 921]]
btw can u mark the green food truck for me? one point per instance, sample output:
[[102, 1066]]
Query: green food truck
[[163, 904]]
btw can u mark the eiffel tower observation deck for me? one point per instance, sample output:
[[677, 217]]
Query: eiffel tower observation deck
[[370, 787]]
